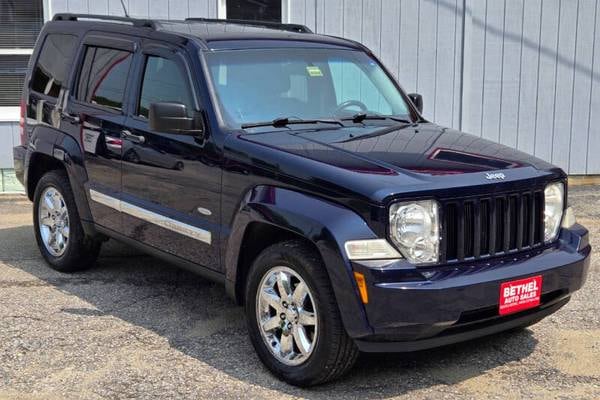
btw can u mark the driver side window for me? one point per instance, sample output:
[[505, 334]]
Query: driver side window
[[163, 82], [350, 82]]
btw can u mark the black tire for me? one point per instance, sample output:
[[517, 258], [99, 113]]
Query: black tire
[[81, 251], [334, 352]]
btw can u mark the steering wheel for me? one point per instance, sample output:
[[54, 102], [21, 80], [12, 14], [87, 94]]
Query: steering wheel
[[350, 103]]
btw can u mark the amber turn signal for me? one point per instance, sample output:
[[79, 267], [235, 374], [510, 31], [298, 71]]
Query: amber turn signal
[[362, 287]]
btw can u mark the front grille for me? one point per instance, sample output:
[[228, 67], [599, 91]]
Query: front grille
[[481, 227]]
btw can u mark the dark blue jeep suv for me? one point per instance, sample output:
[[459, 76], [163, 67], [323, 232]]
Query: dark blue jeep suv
[[292, 168]]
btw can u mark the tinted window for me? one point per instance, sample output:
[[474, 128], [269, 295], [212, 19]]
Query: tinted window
[[257, 10], [104, 77], [163, 81], [52, 68]]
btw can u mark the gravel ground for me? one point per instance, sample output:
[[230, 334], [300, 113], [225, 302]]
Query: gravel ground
[[133, 327]]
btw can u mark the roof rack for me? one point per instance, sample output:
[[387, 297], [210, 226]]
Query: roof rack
[[143, 23], [264, 24]]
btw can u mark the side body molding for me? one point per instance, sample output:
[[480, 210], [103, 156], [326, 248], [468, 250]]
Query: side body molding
[[327, 225]]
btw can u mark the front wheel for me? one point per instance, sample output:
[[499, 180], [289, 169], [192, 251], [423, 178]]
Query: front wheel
[[293, 320], [58, 231]]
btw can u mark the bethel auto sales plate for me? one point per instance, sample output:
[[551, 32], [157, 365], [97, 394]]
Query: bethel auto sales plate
[[520, 295]]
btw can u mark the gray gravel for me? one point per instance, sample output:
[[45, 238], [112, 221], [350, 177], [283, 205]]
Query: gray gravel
[[133, 327]]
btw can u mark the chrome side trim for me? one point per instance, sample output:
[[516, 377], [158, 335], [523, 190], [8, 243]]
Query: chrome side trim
[[167, 223], [106, 200], [152, 217]]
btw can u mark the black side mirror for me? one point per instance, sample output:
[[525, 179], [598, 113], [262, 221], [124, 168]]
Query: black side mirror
[[173, 118], [417, 100]]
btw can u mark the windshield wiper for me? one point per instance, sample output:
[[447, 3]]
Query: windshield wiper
[[285, 121], [360, 117]]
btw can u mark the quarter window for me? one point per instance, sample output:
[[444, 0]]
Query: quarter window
[[52, 68], [163, 81], [104, 77]]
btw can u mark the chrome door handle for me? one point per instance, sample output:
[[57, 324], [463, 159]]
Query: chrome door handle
[[134, 138]]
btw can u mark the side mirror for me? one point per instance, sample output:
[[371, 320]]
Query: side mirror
[[417, 100], [173, 118]]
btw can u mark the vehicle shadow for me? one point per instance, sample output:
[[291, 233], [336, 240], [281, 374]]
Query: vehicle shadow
[[200, 321]]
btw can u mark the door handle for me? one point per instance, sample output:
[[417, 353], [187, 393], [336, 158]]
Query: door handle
[[134, 138]]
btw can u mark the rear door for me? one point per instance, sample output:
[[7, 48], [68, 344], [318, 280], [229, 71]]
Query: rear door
[[97, 111], [171, 182]]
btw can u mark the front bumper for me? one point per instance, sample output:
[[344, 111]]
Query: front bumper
[[417, 308]]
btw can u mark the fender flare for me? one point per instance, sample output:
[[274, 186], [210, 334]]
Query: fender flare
[[327, 225], [67, 151]]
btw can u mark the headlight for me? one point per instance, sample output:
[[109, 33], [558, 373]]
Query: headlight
[[554, 197], [414, 229]]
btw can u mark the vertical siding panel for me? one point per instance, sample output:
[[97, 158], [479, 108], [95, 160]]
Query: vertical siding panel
[[563, 98], [427, 53], [320, 17], [511, 67], [158, 9], [593, 147], [138, 8], [116, 8], [492, 85], [529, 76], [547, 79], [59, 6], [6, 139], [178, 9], [582, 82], [78, 6], [333, 17], [352, 22], [309, 14], [444, 67], [476, 77], [101, 7], [409, 44], [297, 12], [371, 25], [390, 34], [458, 56], [200, 8]]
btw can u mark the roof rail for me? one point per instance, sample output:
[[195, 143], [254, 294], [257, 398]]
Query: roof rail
[[264, 24], [144, 23]]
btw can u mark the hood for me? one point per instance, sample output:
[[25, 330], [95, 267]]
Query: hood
[[424, 149]]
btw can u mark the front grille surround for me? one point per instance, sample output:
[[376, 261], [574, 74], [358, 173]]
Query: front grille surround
[[484, 226]]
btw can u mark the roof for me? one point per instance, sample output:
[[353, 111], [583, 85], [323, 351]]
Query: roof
[[216, 30]]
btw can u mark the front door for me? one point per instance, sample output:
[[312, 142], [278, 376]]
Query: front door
[[171, 182]]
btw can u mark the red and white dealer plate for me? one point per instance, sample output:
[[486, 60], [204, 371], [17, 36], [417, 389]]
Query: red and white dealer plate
[[520, 295]]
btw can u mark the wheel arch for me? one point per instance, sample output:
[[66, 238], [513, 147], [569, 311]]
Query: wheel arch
[[270, 214], [53, 150]]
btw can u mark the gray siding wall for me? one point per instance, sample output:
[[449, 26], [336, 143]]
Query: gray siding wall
[[9, 138], [525, 73]]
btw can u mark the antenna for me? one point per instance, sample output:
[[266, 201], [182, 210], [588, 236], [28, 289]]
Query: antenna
[[124, 9]]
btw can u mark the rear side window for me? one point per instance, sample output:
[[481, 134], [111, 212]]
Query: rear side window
[[52, 68], [104, 76], [163, 81]]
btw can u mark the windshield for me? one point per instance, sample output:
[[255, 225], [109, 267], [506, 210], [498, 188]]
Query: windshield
[[260, 85]]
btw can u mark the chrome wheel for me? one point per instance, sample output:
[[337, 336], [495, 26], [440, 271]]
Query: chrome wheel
[[53, 218], [286, 315]]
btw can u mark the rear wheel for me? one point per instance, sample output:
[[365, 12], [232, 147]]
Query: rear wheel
[[293, 320], [58, 230]]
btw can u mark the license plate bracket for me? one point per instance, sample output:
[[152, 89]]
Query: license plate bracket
[[520, 294]]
